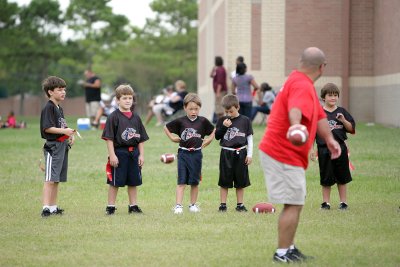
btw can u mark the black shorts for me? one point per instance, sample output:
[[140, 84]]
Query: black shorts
[[189, 167], [333, 171], [128, 171], [233, 171]]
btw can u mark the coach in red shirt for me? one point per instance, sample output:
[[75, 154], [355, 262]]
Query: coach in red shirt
[[283, 163]]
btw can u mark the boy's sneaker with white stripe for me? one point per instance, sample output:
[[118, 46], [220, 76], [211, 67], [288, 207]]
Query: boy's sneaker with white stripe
[[134, 209], [110, 210]]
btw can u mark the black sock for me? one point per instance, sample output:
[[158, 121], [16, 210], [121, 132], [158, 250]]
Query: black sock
[[239, 204], [223, 204]]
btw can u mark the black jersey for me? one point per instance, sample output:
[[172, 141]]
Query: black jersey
[[92, 94], [190, 132], [51, 116], [234, 136], [124, 131], [337, 128]]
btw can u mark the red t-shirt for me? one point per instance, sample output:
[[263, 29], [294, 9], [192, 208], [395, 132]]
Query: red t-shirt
[[297, 92]]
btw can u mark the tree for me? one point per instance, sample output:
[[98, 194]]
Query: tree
[[162, 52], [96, 27]]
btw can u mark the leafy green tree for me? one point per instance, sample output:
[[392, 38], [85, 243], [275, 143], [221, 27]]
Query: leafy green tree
[[162, 52], [96, 28]]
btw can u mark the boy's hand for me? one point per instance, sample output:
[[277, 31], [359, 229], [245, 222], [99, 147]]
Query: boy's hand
[[68, 131], [141, 160], [227, 122], [313, 155], [248, 160], [114, 161], [71, 140], [340, 117]]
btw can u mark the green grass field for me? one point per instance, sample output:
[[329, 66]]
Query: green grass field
[[365, 235]]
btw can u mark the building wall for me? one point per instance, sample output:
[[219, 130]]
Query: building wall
[[359, 37]]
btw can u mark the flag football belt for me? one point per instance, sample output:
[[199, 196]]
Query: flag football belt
[[234, 149], [62, 138], [190, 149]]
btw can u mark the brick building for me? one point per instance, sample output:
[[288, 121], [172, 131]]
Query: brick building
[[361, 39]]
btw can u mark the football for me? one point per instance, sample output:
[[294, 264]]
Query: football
[[263, 207], [167, 158], [297, 134]]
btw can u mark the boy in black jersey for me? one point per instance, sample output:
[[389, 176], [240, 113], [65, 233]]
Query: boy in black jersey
[[125, 136], [335, 170], [189, 131], [236, 135], [59, 138]]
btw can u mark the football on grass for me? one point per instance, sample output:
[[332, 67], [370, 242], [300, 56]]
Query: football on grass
[[263, 207], [167, 158], [297, 134]]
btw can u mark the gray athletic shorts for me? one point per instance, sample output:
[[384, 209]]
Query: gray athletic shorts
[[56, 161], [286, 184]]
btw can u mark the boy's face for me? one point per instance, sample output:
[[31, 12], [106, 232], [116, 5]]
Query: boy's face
[[232, 112], [125, 102], [192, 110], [58, 94], [331, 99]]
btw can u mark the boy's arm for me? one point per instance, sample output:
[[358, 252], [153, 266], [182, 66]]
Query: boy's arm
[[173, 138], [141, 153], [111, 153], [208, 140], [347, 125], [55, 130], [249, 157]]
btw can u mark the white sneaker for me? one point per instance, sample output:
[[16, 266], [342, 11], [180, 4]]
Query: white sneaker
[[178, 209], [194, 208]]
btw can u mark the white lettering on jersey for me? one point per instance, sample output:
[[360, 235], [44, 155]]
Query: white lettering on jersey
[[63, 123], [189, 133], [232, 133], [129, 133], [333, 125]]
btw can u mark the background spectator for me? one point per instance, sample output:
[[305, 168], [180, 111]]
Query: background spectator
[[241, 86], [264, 103], [218, 74]]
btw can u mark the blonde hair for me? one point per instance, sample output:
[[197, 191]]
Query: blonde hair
[[191, 97], [180, 85]]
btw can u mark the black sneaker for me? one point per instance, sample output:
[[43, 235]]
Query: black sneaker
[[134, 209], [110, 210], [343, 206], [296, 253], [241, 208], [287, 258], [222, 208], [325, 206], [46, 212], [58, 211]]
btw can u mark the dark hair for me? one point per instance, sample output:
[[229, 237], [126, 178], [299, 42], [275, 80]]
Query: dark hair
[[229, 101], [241, 68], [265, 87], [219, 61], [51, 83], [329, 88], [240, 59]]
